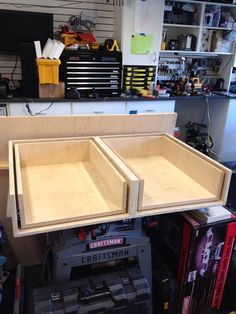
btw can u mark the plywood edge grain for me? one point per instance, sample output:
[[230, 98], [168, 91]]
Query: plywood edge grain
[[76, 220], [19, 232], [177, 208], [226, 185], [179, 203], [19, 187], [11, 201]]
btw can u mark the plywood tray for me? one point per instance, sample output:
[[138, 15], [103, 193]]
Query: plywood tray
[[159, 174], [63, 181], [173, 174]]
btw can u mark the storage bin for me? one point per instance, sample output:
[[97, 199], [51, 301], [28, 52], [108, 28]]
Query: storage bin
[[65, 183], [48, 71], [61, 181], [173, 175]]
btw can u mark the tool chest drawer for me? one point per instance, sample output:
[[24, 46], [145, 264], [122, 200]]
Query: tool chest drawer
[[172, 175]]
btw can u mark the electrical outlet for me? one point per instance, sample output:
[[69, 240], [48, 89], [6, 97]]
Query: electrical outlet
[[3, 110]]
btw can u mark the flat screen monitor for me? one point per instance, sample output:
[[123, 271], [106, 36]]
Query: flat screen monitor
[[23, 27]]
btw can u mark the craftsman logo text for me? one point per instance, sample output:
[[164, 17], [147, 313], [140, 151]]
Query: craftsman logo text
[[105, 256]]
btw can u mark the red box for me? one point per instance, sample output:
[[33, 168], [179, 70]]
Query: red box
[[199, 255]]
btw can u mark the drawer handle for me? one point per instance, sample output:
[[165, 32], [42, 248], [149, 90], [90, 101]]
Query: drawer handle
[[150, 110], [155, 57], [98, 112]]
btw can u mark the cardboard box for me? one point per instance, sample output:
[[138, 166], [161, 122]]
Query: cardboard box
[[199, 255], [52, 90]]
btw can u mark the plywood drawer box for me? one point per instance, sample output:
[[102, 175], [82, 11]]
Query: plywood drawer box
[[62, 181], [174, 176]]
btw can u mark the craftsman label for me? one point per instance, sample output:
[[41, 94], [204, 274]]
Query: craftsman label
[[105, 243], [105, 256]]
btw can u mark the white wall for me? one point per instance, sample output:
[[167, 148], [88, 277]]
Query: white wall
[[62, 11], [150, 13]]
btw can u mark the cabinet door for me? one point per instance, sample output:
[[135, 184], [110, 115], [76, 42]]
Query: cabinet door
[[150, 106], [44, 109], [225, 134], [88, 108], [141, 18]]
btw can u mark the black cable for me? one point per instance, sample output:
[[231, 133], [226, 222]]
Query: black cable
[[28, 109], [28, 106], [45, 108], [13, 71], [39, 112]]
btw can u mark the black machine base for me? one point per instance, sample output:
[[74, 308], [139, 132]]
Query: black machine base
[[116, 292]]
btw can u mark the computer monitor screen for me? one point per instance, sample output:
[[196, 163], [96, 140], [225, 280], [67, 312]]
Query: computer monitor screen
[[23, 27]]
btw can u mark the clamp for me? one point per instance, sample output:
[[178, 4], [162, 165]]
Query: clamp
[[111, 45]]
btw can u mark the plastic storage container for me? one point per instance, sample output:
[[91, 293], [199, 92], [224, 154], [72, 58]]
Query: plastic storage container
[[48, 71]]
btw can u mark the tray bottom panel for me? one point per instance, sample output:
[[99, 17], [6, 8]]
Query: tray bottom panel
[[65, 192], [165, 184]]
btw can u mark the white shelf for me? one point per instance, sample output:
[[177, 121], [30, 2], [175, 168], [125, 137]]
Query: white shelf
[[218, 28], [180, 25], [173, 30], [193, 53], [208, 3]]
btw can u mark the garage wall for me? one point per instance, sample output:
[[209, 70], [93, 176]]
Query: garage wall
[[62, 11]]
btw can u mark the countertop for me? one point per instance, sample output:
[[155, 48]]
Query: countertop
[[113, 99]]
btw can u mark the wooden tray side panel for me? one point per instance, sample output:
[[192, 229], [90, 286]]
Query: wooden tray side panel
[[46, 153], [132, 180], [19, 187], [127, 147], [136, 146], [203, 172], [11, 201], [117, 184]]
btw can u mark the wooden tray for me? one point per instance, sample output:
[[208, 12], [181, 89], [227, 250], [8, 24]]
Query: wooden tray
[[173, 174], [62, 181]]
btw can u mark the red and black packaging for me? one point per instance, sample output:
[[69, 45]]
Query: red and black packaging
[[199, 255]]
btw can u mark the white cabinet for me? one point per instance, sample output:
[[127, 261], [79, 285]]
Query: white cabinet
[[98, 107], [223, 129], [139, 18], [44, 109], [197, 27], [90, 108], [153, 106]]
